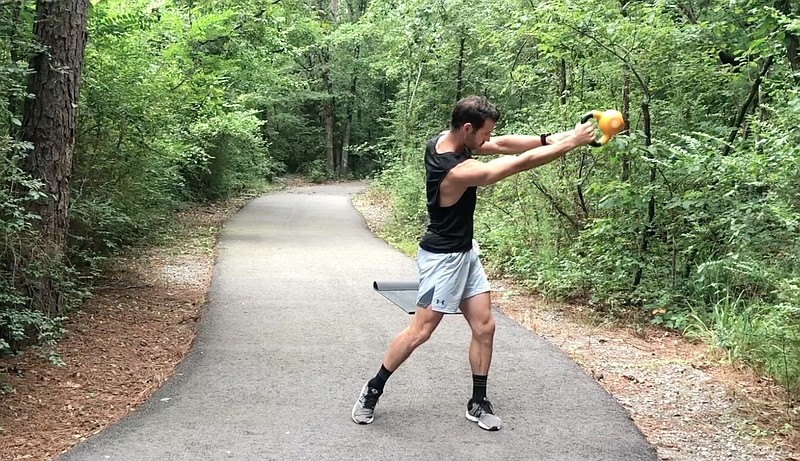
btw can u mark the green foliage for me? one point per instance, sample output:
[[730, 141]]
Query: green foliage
[[765, 336], [662, 223], [226, 155], [689, 220], [19, 327], [18, 324], [403, 184], [168, 114]]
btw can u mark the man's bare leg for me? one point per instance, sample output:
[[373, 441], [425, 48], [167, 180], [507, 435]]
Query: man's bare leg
[[478, 313], [422, 325]]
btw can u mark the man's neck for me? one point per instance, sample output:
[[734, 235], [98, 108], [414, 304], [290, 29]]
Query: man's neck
[[450, 142]]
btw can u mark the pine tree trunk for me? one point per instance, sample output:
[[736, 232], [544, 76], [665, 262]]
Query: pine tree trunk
[[49, 124]]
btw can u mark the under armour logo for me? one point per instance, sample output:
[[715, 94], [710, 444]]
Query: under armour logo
[[439, 302]]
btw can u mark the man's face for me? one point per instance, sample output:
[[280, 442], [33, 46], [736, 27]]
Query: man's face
[[476, 138]]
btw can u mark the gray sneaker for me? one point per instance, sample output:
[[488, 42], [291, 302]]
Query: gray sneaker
[[364, 409], [481, 412]]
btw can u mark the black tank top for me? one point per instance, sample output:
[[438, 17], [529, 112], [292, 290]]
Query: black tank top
[[449, 228]]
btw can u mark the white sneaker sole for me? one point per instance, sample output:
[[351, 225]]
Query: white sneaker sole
[[480, 424]]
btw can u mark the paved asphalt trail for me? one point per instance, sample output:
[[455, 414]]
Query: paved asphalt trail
[[291, 331]]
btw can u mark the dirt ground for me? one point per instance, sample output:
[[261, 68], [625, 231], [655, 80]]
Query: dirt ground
[[123, 344], [140, 323]]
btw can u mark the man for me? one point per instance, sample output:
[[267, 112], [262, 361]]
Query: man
[[450, 273]]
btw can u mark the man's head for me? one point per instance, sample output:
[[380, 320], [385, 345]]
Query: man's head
[[474, 119]]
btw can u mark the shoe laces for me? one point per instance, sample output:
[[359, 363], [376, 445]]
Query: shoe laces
[[370, 398], [486, 406]]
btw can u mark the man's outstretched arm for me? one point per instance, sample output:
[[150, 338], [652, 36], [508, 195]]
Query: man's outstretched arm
[[512, 144], [476, 173]]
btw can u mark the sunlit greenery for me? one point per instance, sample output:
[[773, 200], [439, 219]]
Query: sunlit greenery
[[688, 221]]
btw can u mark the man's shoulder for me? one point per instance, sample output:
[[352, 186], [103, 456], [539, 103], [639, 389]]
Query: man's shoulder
[[433, 139]]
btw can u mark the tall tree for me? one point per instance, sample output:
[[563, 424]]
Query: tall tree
[[49, 124]]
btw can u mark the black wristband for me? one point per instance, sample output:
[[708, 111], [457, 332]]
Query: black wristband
[[543, 138]]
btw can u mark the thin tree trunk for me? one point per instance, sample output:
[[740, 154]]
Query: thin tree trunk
[[791, 40], [651, 203], [345, 160], [648, 140], [328, 112], [626, 103], [562, 81], [49, 124], [737, 123], [407, 122], [626, 116], [791, 52], [460, 71]]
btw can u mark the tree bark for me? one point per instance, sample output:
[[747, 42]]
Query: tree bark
[[626, 103], [792, 41], [651, 203], [737, 122], [328, 111], [49, 124], [626, 117], [460, 71], [344, 162], [562, 81]]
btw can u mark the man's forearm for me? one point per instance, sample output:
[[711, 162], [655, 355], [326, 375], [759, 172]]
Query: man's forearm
[[514, 144], [558, 137], [538, 157]]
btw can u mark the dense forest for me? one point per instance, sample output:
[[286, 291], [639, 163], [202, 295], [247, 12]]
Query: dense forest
[[116, 114]]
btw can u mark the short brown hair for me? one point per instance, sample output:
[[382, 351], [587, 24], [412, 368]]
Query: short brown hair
[[475, 110]]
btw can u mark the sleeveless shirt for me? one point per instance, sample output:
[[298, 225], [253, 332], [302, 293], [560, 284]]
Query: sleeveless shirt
[[450, 229]]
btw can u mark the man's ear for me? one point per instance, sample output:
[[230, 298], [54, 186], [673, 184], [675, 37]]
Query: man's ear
[[468, 128]]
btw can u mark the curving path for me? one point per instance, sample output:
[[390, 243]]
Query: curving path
[[291, 331]]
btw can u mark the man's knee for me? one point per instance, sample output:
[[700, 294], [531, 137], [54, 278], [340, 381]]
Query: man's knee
[[420, 335], [422, 328], [484, 328]]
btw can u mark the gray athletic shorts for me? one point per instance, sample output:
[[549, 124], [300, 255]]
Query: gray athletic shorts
[[447, 278]]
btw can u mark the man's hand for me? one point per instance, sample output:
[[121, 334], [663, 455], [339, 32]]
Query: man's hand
[[583, 134]]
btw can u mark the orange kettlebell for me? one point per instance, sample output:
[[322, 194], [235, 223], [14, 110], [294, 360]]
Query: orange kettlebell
[[610, 123]]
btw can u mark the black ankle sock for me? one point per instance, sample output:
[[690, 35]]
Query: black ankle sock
[[380, 379], [478, 387]]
